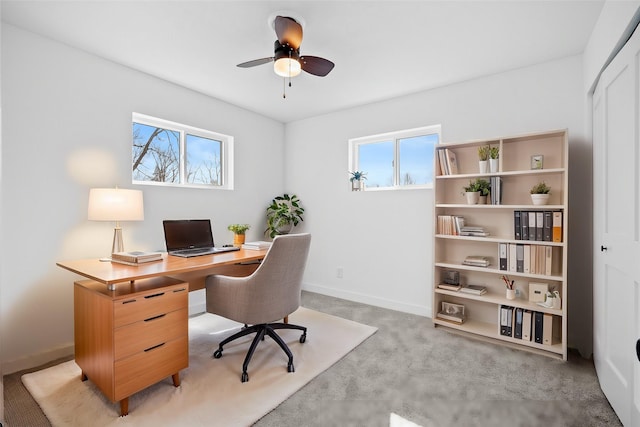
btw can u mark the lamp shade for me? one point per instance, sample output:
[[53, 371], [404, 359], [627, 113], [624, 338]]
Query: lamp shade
[[115, 204]]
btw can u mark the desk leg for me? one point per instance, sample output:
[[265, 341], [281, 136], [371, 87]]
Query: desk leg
[[176, 379], [124, 407], [83, 376]]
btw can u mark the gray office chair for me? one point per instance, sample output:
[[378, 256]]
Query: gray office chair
[[271, 293]]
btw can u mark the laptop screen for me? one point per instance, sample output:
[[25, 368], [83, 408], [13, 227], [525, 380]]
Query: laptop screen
[[187, 234]]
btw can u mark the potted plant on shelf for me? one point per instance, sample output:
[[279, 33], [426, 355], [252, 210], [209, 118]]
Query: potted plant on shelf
[[239, 231], [472, 192], [540, 193], [483, 158], [284, 213], [494, 155], [357, 179], [485, 188]]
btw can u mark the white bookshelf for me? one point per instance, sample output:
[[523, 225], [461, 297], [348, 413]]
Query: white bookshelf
[[514, 168]]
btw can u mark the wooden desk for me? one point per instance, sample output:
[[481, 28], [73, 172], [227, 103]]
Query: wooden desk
[[131, 322], [193, 270]]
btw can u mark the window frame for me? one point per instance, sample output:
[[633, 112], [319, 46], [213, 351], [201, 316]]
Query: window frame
[[226, 152], [395, 137]]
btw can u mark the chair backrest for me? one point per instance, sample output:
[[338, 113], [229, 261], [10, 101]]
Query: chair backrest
[[272, 291]]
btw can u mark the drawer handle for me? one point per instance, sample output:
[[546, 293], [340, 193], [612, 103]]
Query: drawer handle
[[155, 346], [180, 290], [128, 301], [154, 295], [155, 317]]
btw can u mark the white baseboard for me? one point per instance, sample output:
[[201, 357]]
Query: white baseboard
[[367, 299], [37, 359]]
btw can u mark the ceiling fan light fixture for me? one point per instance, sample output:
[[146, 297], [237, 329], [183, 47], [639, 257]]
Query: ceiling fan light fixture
[[287, 67]]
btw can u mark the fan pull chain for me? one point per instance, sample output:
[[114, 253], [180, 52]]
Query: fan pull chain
[[284, 87]]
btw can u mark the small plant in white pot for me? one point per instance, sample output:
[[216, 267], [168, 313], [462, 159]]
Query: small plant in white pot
[[540, 193], [357, 180], [483, 158], [494, 155], [472, 192]]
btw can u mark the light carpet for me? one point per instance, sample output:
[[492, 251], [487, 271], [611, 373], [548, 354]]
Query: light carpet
[[211, 393]]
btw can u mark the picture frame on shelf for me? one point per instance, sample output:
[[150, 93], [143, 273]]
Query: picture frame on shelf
[[537, 161]]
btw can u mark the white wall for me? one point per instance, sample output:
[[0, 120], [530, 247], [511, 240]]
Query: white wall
[[383, 240], [66, 128]]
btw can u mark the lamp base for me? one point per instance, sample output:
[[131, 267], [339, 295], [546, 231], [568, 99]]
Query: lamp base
[[117, 245]]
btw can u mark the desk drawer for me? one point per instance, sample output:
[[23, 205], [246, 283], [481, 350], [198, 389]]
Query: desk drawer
[[136, 337], [145, 368], [149, 304]]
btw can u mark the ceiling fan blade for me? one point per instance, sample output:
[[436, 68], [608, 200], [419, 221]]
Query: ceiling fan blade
[[288, 31], [316, 65], [255, 62]]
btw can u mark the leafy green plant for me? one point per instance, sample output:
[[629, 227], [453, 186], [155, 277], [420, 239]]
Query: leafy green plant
[[473, 187], [284, 212], [494, 152], [357, 176], [238, 228], [540, 188], [483, 186], [483, 152]]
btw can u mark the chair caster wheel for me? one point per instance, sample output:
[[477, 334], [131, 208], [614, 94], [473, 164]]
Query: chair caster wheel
[[290, 368], [217, 354], [245, 377], [303, 338]]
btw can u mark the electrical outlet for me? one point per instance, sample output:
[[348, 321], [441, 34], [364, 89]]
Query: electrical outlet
[[339, 272]]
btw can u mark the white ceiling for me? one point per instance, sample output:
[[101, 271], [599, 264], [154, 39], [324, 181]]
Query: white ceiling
[[382, 49]]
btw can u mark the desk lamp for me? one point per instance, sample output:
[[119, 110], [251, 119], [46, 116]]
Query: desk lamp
[[115, 204]]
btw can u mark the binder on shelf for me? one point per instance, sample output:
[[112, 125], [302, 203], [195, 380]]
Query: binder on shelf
[[516, 225], [547, 226], [539, 225], [548, 260], [525, 225], [506, 314], [517, 332], [526, 325], [557, 226], [537, 326], [513, 256], [547, 329], [532, 225], [520, 258], [503, 256], [527, 259]]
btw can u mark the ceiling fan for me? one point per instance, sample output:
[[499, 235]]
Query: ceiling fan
[[287, 59]]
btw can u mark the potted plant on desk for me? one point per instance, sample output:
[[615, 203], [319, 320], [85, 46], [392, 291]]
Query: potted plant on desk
[[239, 231]]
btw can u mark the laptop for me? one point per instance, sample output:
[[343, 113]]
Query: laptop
[[191, 237]]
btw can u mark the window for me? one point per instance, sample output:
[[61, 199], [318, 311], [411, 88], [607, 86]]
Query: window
[[168, 153], [395, 160]]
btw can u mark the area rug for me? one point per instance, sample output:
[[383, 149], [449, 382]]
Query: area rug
[[211, 393]]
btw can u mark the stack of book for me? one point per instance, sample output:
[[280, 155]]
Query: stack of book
[[449, 287], [469, 230], [447, 162], [135, 257], [474, 290], [257, 245], [476, 261]]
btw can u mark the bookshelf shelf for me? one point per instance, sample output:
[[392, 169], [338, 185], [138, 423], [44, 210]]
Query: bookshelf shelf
[[516, 175]]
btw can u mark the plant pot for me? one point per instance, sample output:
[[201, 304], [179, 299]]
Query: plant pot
[[493, 165], [472, 197], [540, 199], [511, 294], [482, 200], [357, 185], [285, 228], [484, 166], [238, 239]]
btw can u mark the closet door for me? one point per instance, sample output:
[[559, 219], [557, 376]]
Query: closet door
[[616, 123]]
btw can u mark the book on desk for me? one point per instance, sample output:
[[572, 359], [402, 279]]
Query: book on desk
[[135, 257]]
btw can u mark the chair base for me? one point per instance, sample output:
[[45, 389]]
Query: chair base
[[261, 330]]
